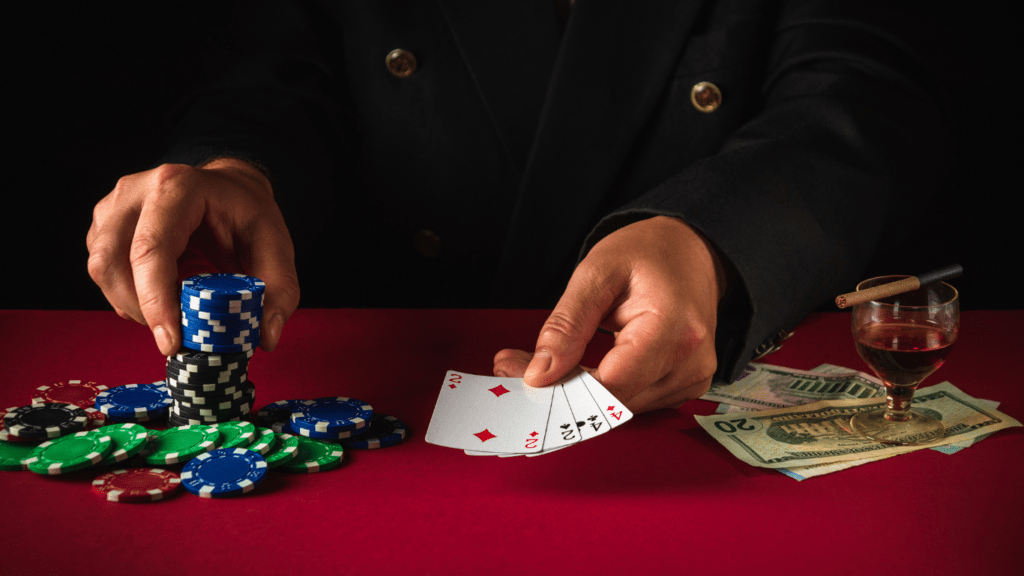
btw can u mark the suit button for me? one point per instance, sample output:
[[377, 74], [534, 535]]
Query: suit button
[[427, 243], [706, 97], [401, 63]]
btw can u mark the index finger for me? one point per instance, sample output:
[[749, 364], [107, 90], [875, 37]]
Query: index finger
[[166, 222]]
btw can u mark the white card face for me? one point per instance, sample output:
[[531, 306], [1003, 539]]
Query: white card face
[[590, 420], [489, 414], [614, 411]]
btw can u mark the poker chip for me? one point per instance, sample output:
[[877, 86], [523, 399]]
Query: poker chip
[[205, 389], [219, 347], [264, 441], [96, 419], [211, 414], [313, 456], [382, 432], [134, 401], [201, 401], [44, 420], [231, 338], [331, 415], [13, 455], [179, 421], [224, 472], [284, 450], [223, 286], [69, 453], [6, 436], [220, 370], [128, 440], [76, 392], [181, 444], [334, 436], [276, 414], [192, 357], [197, 304], [236, 434], [223, 317], [136, 485]]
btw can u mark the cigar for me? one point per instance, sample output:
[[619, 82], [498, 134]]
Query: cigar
[[899, 286]]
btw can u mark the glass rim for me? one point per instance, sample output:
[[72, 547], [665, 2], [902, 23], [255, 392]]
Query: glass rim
[[954, 298]]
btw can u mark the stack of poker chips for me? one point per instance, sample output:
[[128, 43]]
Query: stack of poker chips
[[220, 324]]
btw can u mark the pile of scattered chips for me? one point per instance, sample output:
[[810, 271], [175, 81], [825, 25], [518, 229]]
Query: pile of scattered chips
[[72, 426], [351, 422]]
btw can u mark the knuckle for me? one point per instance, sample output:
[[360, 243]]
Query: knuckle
[[99, 266], [560, 325]]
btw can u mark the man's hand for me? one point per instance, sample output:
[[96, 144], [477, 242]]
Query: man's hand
[[656, 284], [224, 210]]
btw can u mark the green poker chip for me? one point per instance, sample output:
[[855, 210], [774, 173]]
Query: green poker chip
[[13, 455], [129, 440], [264, 442], [314, 456], [284, 450], [237, 434], [179, 445], [69, 453]]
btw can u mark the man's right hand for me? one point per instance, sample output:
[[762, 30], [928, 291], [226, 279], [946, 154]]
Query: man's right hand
[[224, 210]]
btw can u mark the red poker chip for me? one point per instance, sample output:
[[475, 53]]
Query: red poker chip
[[81, 394], [136, 485], [97, 419]]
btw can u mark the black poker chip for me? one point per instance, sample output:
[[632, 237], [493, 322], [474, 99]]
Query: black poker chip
[[231, 368], [207, 359], [44, 420]]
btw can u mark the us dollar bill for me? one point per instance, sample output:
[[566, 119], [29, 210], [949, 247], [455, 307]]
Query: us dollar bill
[[763, 386], [819, 433]]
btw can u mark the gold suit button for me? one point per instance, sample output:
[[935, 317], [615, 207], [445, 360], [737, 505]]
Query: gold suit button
[[401, 63], [706, 97]]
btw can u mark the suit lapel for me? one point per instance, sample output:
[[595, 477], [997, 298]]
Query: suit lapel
[[615, 60], [510, 50]]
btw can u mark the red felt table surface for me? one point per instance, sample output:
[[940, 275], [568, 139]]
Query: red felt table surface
[[657, 495]]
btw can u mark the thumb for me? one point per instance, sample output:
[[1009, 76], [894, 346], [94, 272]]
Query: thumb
[[567, 331]]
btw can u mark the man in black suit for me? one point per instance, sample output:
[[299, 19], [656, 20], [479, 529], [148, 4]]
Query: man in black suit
[[726, 166]]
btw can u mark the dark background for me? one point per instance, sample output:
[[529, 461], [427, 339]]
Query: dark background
[[89, 88]]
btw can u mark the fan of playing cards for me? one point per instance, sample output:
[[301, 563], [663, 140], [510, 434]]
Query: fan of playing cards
[[492, 416]]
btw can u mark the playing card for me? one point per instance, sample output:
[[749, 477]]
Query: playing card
[[490, 414], [589, 419], [561, 428], [614, 411]]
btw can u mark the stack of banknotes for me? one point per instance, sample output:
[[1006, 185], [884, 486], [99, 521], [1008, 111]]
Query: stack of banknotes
[[797, 421]]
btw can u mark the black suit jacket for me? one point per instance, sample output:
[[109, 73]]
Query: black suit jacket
[[519, 143]]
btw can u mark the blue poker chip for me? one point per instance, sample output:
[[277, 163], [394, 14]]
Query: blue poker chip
[[222, 286], [219, 348], [276, 416], [134, 401], [218, 326], [197, 304], [203, 337], [330, 415], [223, 318], [224, 472], [382, 432]]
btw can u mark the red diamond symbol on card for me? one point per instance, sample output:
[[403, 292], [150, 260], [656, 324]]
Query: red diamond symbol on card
[[484, 435], [534, 433], [499, 390], [611, 408], [452, 386]]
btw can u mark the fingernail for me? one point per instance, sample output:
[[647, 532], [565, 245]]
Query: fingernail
[[539, 366], [164, 340]]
